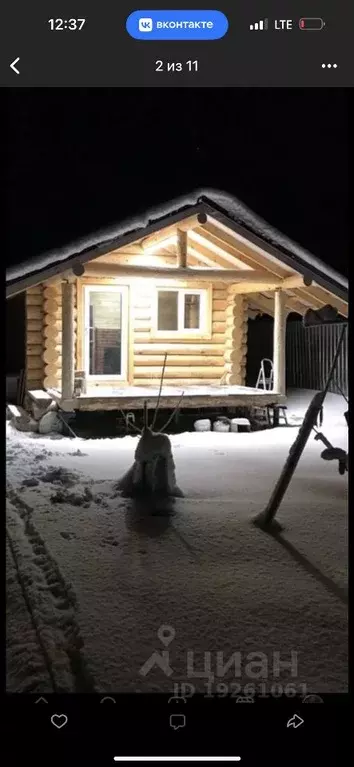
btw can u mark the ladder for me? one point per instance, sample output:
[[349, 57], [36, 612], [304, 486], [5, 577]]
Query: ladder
[[265, 381]]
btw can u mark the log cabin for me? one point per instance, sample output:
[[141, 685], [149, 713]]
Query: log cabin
[[184, 279]]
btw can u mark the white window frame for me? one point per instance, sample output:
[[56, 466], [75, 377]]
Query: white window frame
[[123, 291], [205, 310]]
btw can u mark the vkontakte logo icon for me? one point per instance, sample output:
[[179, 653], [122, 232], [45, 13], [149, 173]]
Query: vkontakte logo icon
[[145, 25]]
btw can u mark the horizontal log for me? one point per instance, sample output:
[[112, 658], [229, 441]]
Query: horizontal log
[[135, 259], [53, 292], [35, 291], [178, 360], [233, 311], [52, 354], [182, 348], [34, 339], [34, 299], [34, 312], [201, 275], [33, 381], [232, 367], [219, 304], [51, 326], [218, 316], [52, 381], [235, 342], [52, 307], [180, 382], [55, 339], [34, 363], [34, 326], [175, 372], [219, 294], [289, 283], [34, 350], [146, 338], [218, 328], [233, 379], [51, 367], [235, 355]]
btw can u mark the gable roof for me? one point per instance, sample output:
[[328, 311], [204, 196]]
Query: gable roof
[[224, 208]]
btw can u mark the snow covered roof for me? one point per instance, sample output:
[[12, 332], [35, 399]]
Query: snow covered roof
[[220, 205]]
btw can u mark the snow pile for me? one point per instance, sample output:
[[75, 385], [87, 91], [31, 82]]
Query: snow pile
[[202, 569]]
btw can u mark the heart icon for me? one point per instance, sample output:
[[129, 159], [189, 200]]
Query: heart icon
[[59, 720]]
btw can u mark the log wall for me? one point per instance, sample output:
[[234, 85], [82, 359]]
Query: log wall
[[52, 325], [236, 338], [191, 361], [34, 337]]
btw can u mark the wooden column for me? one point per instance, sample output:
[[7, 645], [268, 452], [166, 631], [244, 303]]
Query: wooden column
[[181, 248], [68, 340], [279, 342], [235, 344]]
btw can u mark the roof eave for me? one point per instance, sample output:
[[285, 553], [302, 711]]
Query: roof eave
[[18, 286], [289, 259]]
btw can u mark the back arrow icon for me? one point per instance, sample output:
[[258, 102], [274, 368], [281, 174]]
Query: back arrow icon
[[13, 65]]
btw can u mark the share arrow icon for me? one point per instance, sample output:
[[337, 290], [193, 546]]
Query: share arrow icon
[[295, 721]]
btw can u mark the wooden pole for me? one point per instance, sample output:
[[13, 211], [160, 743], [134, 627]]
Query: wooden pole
[[265, 519], [68, 361], [101, 269], [181, 248], [279, 341]]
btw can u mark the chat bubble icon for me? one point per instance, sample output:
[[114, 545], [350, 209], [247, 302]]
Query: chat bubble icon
[[177, 721]]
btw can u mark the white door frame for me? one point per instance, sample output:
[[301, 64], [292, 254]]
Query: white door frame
[[123, 291]]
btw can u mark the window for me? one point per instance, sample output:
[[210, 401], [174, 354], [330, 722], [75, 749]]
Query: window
[[105, 341], [182, 311]]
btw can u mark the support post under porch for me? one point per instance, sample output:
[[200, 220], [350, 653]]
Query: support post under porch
[[68, 340], [279, 342]]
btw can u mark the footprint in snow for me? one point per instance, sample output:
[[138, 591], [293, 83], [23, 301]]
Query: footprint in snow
[[67, 536], [30, 482], [109, 542]]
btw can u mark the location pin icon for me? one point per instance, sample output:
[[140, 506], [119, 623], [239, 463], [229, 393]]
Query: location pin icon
[[166, 634]]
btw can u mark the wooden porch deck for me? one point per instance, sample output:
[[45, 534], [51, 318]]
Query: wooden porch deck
[[133, 397]]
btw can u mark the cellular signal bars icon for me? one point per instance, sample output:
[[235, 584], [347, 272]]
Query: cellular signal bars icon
[[261, 25]]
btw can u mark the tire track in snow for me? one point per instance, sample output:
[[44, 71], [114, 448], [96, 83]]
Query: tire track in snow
[[50, 600], [27, 664]]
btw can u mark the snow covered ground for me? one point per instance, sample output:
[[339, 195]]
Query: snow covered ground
[[96, 587]]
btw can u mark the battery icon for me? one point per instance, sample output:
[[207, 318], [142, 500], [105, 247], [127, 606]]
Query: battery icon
[[312, 23]]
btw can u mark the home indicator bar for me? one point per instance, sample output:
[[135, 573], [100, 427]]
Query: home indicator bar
[[177, 758]]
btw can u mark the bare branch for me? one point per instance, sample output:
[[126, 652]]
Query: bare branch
[[129, 423], [160, 390], [173, 414], [146, 416]]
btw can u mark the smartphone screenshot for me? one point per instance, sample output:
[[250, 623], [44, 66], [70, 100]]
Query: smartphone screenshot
[[177, 401]]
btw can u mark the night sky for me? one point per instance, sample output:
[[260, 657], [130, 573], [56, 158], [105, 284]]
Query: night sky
[[81, 159]]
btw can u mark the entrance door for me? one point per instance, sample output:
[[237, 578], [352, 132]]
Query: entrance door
[[106, 332]]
